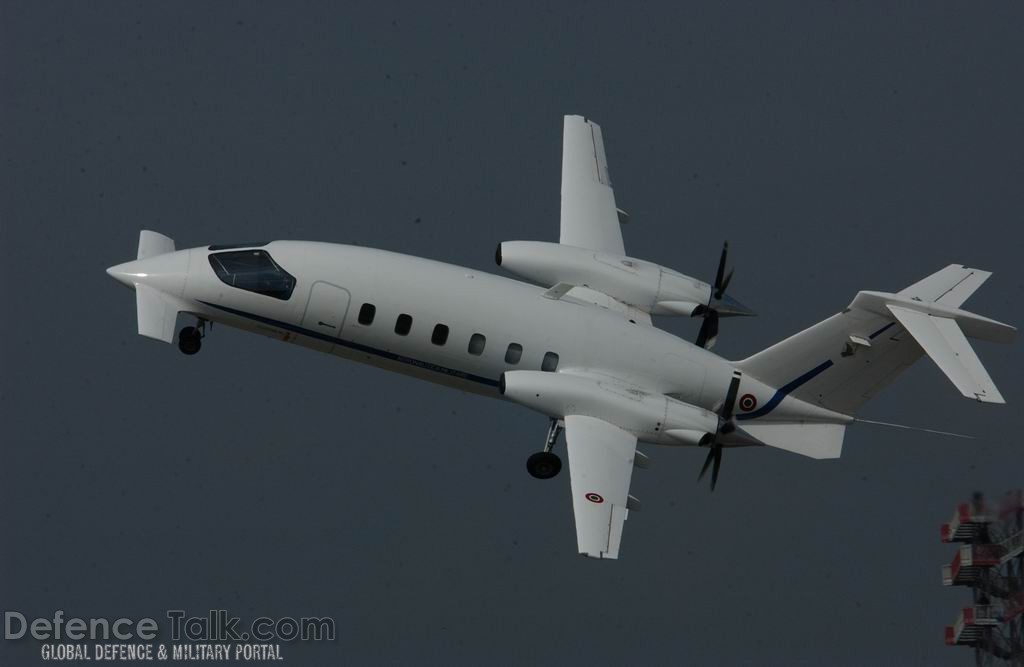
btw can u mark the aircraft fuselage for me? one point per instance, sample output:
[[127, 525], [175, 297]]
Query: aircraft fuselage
[[333, 282]]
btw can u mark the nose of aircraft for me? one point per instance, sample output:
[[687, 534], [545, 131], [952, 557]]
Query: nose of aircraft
[[128, 273], [164, 272]]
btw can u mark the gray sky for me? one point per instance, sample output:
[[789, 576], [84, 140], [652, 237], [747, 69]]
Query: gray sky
[[838, 147]]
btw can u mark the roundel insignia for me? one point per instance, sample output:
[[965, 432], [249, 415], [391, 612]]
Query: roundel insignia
[[747, 402], [594, 498]]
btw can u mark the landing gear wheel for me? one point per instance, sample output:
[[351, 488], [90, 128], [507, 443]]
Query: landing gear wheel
[[190, 340], [543, 465]]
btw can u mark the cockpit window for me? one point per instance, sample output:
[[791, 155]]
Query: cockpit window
[[254, 271], [233, 246]]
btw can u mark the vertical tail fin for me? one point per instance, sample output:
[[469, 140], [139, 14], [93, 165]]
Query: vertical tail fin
[[950, 287], [859, 351]]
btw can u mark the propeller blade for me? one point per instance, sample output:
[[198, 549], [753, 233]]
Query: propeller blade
[[725, 284], [707, 463], [725, 426], [708, 330], [721, 267], [718, 464], [730, 397]]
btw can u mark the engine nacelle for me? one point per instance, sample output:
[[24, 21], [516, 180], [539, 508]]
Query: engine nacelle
[[651, 288], [650, 417]]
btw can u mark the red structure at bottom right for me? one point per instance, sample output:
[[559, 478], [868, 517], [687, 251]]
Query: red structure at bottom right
[[989, 561]]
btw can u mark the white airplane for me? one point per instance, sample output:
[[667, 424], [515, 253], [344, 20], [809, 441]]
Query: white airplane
[[580, 347]]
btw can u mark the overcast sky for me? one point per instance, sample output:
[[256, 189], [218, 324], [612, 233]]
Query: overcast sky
[[837, 146]]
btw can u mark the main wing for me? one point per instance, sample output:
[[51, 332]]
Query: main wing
[[589, 216], [600, 467]]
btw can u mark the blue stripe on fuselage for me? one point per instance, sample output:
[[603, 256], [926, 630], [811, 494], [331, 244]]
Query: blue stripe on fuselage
[[772, 403], [357, 346], [782, 392]]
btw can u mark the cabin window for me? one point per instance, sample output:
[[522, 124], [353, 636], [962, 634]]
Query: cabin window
[[440, 335], [514, 353], [253, 271], [403, 324], [477, 342], [366, 313], [550, 362]]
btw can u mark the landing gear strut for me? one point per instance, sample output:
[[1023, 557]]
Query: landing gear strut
[[546, 464], [190, 339]]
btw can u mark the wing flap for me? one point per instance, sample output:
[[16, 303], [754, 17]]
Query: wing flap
[[942, 339], [600, 467], [589, 217]]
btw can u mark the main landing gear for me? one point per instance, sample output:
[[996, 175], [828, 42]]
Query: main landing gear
[[546, 464], [190, 339]]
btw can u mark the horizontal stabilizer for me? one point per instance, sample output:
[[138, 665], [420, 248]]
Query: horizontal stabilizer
[[818, 441], [943, 341], [157, 314], [841, 362]]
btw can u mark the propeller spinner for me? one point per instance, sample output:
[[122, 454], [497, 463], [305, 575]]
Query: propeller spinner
[[719, 304]]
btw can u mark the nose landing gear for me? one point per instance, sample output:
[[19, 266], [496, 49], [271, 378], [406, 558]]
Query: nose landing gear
[[190, 339], [546, 464]]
